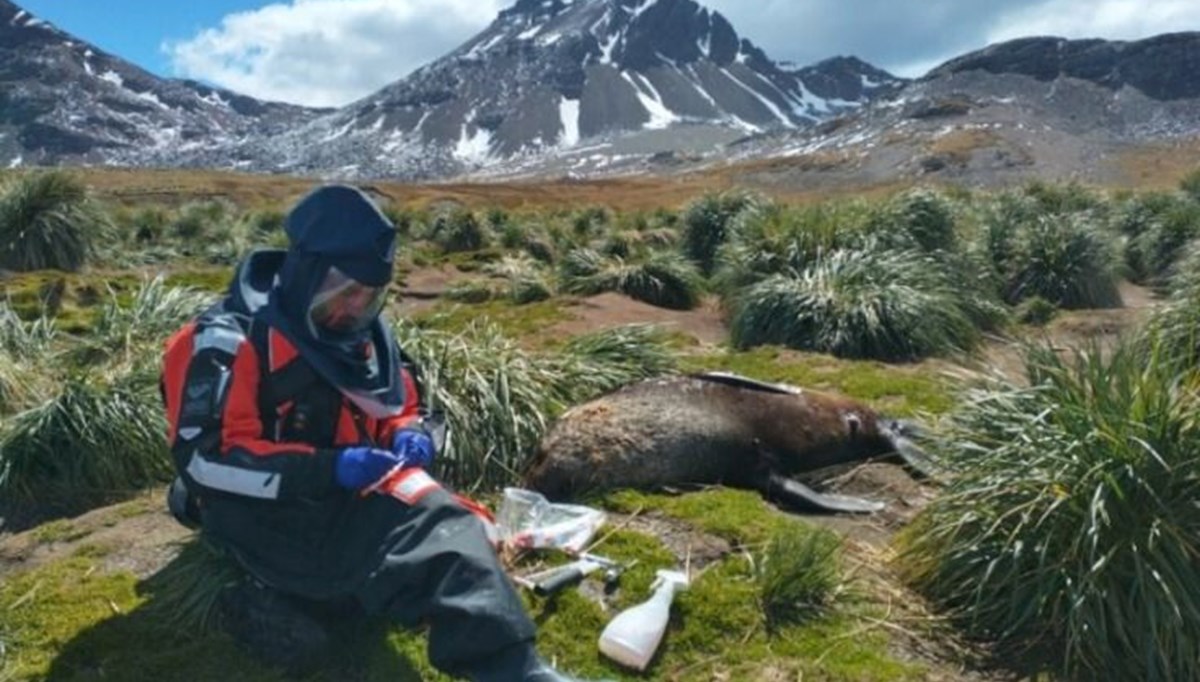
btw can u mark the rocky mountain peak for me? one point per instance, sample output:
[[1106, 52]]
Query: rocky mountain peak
[[62, 99], [631, 34], [9, 11], [538, 9], [547, 75], [18, 27], [1164, 67]]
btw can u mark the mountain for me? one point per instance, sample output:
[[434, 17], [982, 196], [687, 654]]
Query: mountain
[[62, 99], [1033, 107], [1165, 67], [577, 88], [548, 75]]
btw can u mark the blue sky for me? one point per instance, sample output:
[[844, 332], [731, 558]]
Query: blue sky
[[331, 52], [135, 29]]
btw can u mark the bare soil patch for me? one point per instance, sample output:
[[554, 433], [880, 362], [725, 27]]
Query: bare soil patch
[[139, 536], [422, 288], [604, 311]]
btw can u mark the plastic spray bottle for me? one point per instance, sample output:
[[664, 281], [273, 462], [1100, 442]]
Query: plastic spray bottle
[[633, 636]]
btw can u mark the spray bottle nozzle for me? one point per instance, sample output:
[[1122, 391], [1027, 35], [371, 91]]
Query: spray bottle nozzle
[[678, 580]]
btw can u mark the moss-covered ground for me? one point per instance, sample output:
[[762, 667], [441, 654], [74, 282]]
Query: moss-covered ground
[[73, 619]]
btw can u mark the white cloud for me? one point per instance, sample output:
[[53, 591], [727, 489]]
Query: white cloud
[[327, 52], [1109, 19]]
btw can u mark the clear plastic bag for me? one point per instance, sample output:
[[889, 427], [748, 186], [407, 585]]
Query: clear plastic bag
[[527, 520]]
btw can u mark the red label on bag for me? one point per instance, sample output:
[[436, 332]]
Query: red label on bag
[[409, 485]]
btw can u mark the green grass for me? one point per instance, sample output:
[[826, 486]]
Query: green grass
[[516, 321], [59, 531], [1067, 529], [740, 516], [871, 303], [724, 639], [97, 440], [899, 391], [798, 575], [212, 280], [72, 621], [49, 221], [499, 398]]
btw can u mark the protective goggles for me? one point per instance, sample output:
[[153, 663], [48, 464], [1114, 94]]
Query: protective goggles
[[342, 304]]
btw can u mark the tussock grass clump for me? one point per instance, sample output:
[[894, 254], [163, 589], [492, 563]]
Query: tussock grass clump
[[925, 215], [458, 230], [603, 361], [1068, 526], [772, 238], [1174, 328], [196, 220], [471, 291], [25, 340], [187, 592], [527, 280], [857, 304], [93, 441], [265, 222], [1166, 225], [798, 574], [1036, 311], [662, 279], [1064, 198], [147, 225], [706, 225], [1064, 260], [26, 354], [580, 264], [499, 398], [19, 384], [153, 312], [1190, 185], [48, 221]]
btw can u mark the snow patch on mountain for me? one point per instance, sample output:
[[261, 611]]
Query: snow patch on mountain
[[474, 148], [568, 111]]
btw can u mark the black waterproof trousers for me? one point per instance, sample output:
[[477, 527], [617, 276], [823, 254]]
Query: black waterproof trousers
[[426, 563]]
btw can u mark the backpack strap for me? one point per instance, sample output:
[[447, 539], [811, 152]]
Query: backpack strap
[[296, 382]]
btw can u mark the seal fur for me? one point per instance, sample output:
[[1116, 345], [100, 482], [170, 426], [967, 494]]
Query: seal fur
[[715, 428]]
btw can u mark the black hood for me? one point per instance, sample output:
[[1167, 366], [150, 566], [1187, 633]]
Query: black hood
[[341, 226], [334, 226]]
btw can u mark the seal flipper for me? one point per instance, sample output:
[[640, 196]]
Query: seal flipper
[[739, 381], [801, 497], [911, 455]]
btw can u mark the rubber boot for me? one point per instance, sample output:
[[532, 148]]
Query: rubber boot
[[519, 663]]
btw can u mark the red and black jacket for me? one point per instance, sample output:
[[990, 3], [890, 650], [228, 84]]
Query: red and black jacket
[[248, 416]]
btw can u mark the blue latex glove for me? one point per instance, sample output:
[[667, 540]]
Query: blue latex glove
[[415, 446], [359, 467]]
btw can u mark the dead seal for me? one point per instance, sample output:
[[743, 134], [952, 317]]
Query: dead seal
[[716, 428]]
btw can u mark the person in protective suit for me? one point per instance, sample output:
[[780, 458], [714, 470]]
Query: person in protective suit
[[289, 401]]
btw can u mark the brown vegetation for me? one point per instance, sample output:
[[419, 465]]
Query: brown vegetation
[[1159, 166]]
